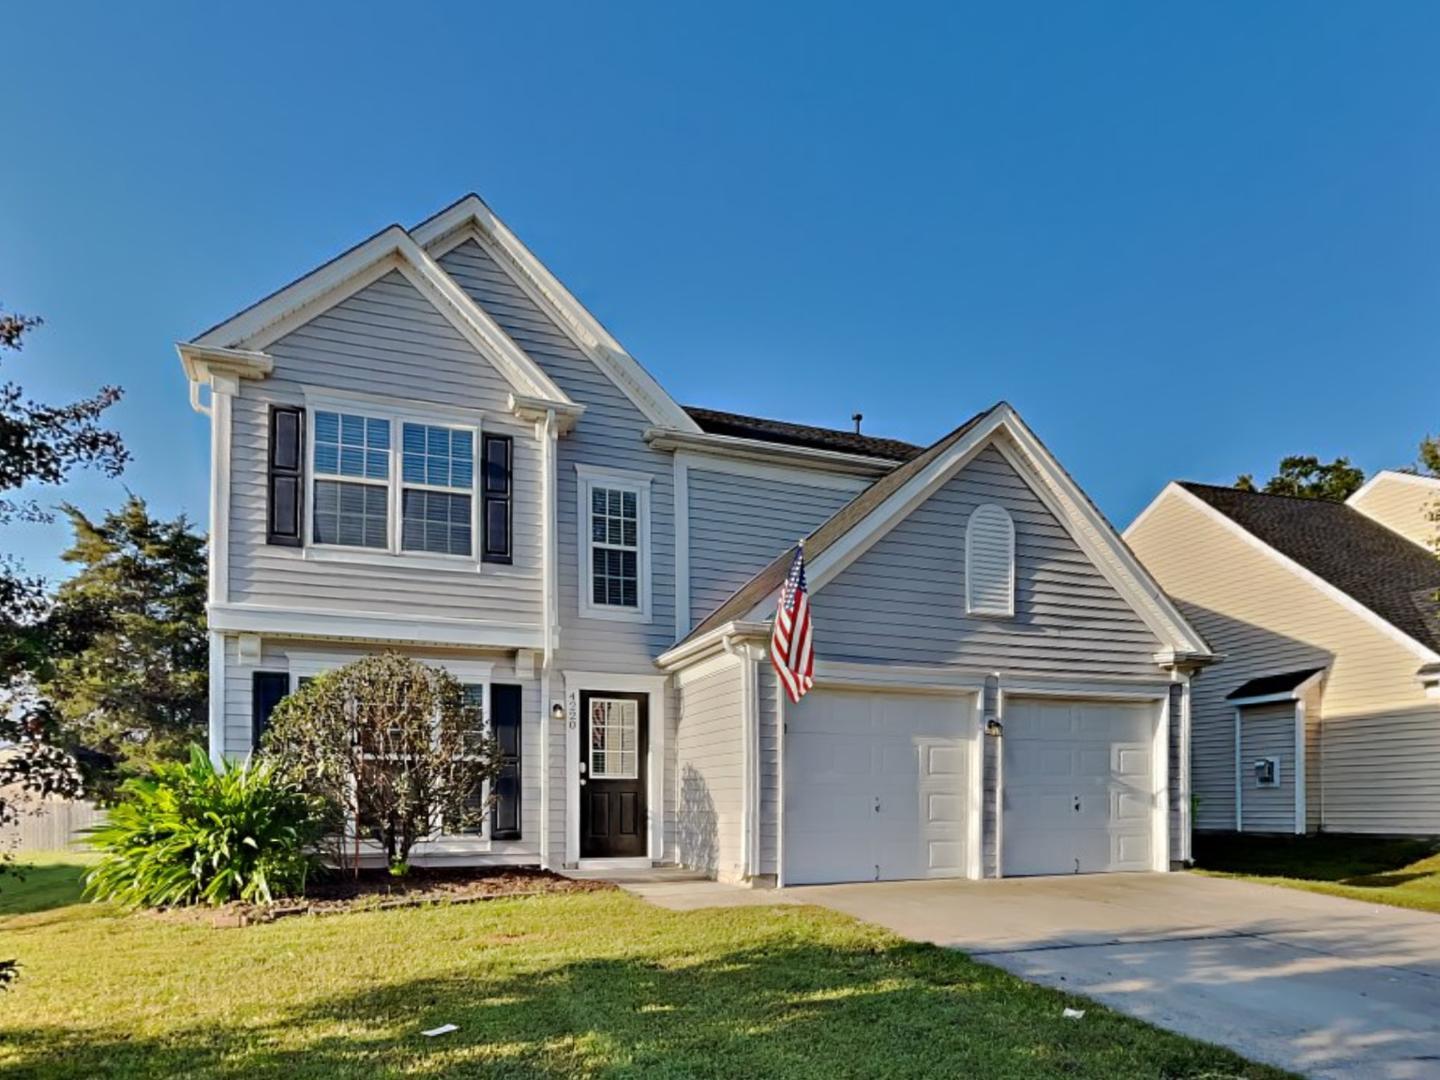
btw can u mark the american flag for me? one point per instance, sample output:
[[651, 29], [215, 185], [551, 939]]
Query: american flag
[[791, 646]]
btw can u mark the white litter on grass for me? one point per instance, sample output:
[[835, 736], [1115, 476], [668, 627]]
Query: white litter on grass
[[1069, 1014], [443, 1029]]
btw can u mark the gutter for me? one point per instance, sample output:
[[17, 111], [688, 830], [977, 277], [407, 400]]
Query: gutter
[[721, 639]]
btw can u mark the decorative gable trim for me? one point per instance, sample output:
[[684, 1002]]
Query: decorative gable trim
[[391, 249], [1344, 599], [469, 219], [1003, 428]]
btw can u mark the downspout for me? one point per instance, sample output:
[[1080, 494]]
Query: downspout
[[549, 606]]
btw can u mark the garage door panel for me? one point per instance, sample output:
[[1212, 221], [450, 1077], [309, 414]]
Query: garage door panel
[[885, 794], [1079, 787]]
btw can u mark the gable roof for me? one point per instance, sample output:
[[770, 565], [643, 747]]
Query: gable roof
[[841, 539], [470, 214], [715, 422], [1375, 567], [392, 248]]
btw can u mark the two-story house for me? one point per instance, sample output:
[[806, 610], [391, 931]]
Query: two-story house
[[428, 445]]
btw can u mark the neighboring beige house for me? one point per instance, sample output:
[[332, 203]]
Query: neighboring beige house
[[1322, 711]]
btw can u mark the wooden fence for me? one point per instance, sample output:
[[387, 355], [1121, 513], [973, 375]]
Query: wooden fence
[[59, 824]]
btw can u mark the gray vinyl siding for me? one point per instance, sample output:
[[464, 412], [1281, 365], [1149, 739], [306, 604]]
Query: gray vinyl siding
[[768, 687], [903, 601], [610, 434], [709, 755], [739, 523], [275, 656], [388, 341], [1267, 731]]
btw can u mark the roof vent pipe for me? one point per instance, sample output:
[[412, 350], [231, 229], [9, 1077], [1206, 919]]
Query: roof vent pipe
[[857, 417]]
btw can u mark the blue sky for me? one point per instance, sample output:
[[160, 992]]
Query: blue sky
[[1183, 241]]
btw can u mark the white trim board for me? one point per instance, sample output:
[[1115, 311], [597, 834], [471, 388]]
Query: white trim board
[[471, 213], [370, 626], [390, 249], [1344, 599]]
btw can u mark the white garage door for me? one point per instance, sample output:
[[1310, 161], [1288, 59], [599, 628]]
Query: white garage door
[[877, 786], [1079, 786]]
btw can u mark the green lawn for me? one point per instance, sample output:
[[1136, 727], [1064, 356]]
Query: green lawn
[[597, 984], [1405, 873]]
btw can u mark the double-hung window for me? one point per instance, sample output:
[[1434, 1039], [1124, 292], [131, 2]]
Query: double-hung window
[[614, 512], [352, 480], [391, 483]]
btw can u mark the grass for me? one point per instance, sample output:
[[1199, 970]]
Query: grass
[[1400, 872], [597, 984]]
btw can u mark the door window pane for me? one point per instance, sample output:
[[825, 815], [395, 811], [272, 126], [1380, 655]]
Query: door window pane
[[614, 739]]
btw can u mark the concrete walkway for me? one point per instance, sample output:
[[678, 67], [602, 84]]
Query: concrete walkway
[[685, 890], [1316, 984]]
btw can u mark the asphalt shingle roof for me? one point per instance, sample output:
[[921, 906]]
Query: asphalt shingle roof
[[714, 422], [1392, 576]]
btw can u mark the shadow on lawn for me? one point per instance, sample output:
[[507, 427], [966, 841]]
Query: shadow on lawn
[[1345, 860], [905, 1010], [27, 889]]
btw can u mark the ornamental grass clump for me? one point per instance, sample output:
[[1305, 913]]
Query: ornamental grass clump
[[195, 833]]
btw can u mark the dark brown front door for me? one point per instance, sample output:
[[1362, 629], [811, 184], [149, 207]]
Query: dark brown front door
[[614, 734]]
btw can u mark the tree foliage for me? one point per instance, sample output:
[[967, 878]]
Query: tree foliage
[[1307, 477], [394, 749], [129, 662], [39, 444]]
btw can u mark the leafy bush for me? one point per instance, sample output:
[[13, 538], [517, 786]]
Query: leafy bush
[[394, 749], [200, 834]]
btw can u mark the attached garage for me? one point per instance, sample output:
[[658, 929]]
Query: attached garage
[[1083, 786], [880, 786]]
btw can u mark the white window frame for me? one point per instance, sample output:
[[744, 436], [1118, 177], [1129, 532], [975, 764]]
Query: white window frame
[[589, 477], [393, 553], [468, 672], [971, 607]]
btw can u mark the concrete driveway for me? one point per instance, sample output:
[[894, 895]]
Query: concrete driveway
[[1323, 986]]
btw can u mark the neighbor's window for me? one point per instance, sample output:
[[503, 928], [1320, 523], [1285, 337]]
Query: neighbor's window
[[615, 531]]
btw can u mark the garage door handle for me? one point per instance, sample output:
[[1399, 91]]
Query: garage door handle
[[1077, 804], [877, 806]]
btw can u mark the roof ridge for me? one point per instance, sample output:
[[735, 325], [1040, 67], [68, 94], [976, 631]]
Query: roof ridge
[[1265, 494]]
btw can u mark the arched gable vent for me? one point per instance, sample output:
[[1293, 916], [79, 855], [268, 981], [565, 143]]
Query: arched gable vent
[[990, 562]]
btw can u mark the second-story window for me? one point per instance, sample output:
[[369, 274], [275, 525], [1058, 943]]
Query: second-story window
[[393, 484], [352, 480], [437, 478], [614, 544]]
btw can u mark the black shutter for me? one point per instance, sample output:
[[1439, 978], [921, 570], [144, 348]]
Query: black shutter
[[287, 476], [266, 690], [505, 721], [495, 500]]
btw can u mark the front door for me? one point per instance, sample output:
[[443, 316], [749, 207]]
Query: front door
[[613, 741]]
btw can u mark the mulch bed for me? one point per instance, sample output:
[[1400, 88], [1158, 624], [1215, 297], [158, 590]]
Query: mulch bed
[[376, 890]]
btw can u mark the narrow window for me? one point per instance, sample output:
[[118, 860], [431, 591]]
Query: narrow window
[[990, 562], [437, 481], [352, 480], [615, 547]]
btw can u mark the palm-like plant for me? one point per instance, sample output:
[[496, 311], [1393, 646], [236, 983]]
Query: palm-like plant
[[195, 834]]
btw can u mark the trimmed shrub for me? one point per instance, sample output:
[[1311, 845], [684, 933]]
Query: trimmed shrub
[[197, 834]]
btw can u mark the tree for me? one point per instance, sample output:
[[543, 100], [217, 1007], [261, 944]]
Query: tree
[[391, 746], [129, 661], [1306, 477], [39, 444], [1428, 462]]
